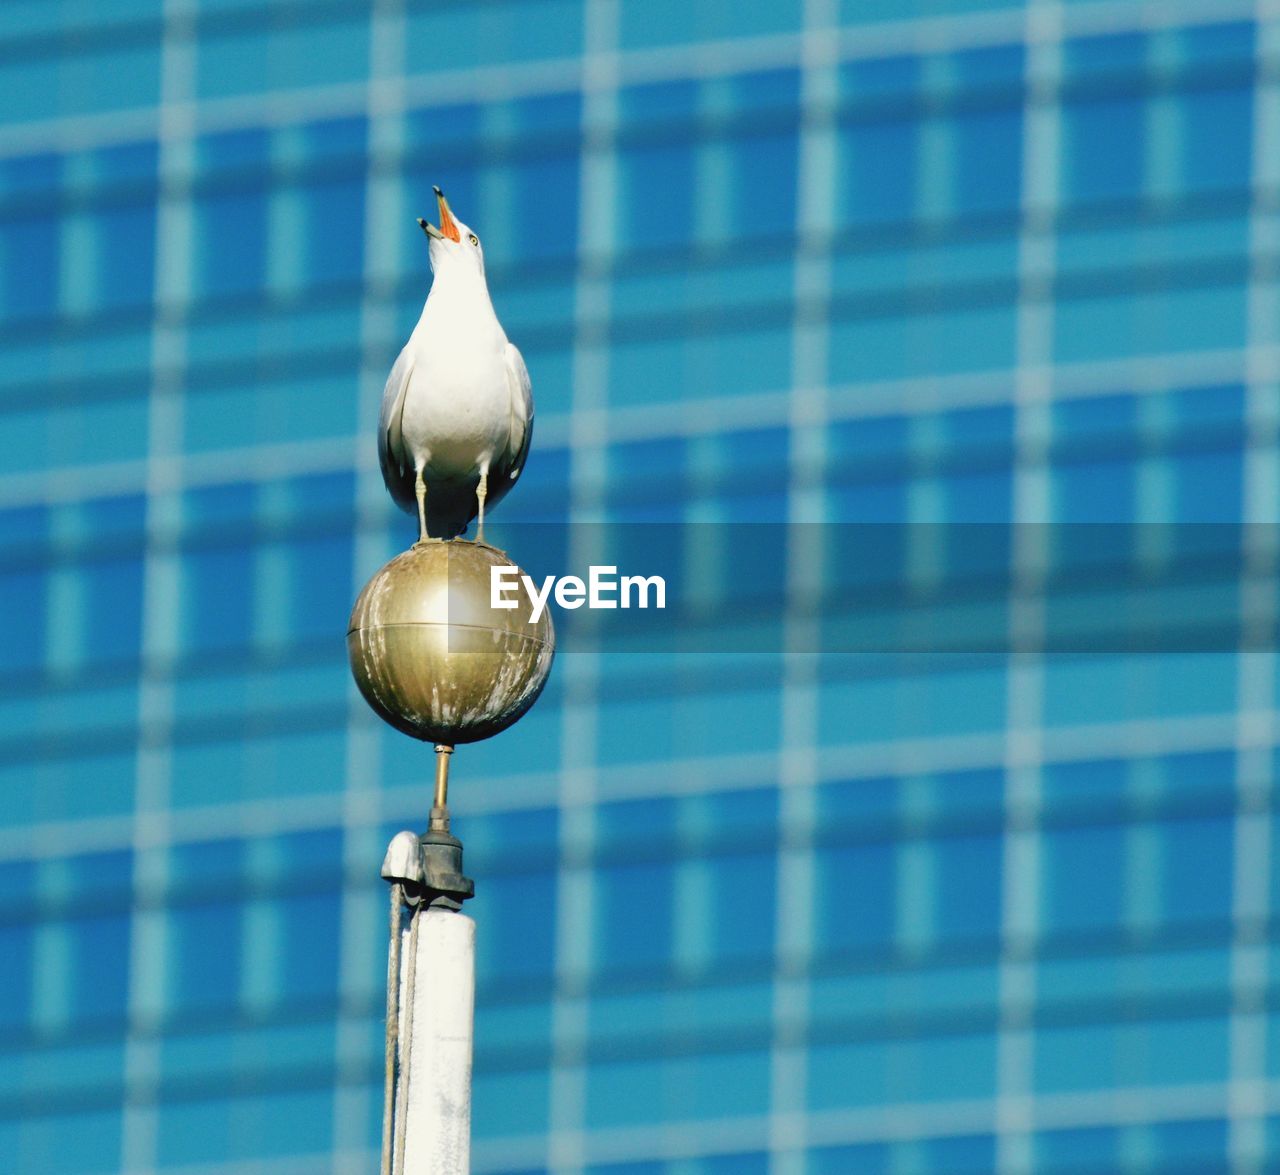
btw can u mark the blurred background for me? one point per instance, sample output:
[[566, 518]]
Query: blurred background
[[939, 262]]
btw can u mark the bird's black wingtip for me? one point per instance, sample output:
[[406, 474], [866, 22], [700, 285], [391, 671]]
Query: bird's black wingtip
[[436, 188]]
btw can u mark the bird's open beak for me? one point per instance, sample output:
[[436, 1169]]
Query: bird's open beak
[[430, 229], [448, 227]]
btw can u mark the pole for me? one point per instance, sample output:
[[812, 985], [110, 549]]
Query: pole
[[436, 1035], [431, 987]]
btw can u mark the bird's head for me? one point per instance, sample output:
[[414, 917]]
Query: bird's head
[[453, 245]]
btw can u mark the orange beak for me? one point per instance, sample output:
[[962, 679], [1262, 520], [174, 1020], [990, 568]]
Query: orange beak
[[448, 226]]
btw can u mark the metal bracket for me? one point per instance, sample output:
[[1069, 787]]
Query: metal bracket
[[429, 867]]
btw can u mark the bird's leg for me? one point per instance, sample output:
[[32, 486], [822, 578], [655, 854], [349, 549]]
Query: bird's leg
[[482, 491], [420, 487]]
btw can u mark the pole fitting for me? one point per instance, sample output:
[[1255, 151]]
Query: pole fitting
[[443, 884], [429, 867]]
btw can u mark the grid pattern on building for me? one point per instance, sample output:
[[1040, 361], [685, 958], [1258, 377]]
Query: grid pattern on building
[[821, 262]]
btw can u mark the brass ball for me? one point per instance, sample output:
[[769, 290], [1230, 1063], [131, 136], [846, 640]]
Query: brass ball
[[434, 658]]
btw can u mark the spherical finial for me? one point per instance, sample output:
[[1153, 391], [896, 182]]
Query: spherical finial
[[434, 658]]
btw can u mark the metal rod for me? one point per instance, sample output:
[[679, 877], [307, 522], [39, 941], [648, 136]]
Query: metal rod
[[443, 751]]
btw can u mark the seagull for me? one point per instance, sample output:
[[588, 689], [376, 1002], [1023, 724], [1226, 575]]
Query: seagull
[[457, 411]]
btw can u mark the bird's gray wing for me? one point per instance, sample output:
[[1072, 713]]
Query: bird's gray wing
[[397, 468], [521, 413]]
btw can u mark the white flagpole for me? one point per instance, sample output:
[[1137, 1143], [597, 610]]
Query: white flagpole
[[431, 997], [436, 1041]]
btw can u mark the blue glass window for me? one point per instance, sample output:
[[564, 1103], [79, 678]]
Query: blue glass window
[[230, 224], [112, 602], [1218, 138], [924, 1068], [880, 162], [15, 974], [29, 245], [657, 190], [669, 22], [856, 897], [988, 147], [967, 885], [763, 184], [217, 597], [633, 922], [656, 172], [506, 1102], [263, 52], [1083, 879], [453, 37], [101, 949], [85, 1140], [207, 942], [124, 261], [22, 593], [1104, 141], [677, 1088], [334, 229]]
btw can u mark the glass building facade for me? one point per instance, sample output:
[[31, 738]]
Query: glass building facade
[[948, 267]]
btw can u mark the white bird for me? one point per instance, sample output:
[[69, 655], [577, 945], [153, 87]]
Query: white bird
[[457, 411]]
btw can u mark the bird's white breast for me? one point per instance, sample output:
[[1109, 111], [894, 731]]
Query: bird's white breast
[[457, 409]]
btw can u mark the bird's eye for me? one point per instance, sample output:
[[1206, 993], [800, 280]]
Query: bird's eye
[[475, 240]]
